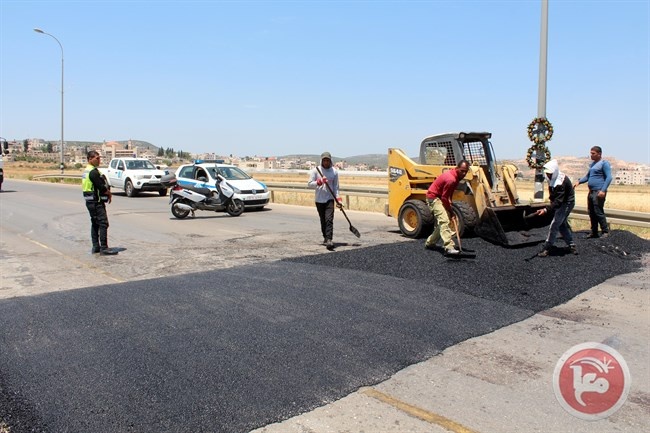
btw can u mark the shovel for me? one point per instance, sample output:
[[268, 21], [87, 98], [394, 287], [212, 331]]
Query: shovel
[[352, 229], [467, 254]]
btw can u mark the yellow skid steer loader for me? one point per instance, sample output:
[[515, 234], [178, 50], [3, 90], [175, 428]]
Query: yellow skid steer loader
[[485, 203]]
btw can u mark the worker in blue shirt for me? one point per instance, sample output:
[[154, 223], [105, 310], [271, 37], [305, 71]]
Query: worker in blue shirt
[[598, 179]]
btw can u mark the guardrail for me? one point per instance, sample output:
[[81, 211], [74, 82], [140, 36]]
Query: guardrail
[[60, 176], [615, 216]]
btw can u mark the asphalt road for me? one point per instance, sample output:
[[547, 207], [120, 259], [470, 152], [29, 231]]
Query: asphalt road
[[226, 345]]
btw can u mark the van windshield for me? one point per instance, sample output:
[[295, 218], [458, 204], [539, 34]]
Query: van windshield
[[144, 164]]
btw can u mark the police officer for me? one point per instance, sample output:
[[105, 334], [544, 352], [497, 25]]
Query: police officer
[[97, 192]]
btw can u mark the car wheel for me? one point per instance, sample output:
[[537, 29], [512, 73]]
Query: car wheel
[[129, 189], [162, 192]]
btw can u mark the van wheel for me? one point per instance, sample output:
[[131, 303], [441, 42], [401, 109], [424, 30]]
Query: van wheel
[[129, 189], [415, 219]]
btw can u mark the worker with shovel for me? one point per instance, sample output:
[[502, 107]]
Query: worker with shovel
[[563, 199], [325, 180], [439, 197]]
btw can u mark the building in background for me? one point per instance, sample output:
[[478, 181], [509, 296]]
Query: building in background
[[633, 176]]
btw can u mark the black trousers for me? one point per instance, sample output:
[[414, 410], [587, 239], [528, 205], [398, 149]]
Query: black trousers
[[98, 223], [326, 214], [596, 208]]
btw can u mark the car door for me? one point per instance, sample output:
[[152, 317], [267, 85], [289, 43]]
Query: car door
[[115, 173]]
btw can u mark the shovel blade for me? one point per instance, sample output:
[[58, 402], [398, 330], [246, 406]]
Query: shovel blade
[[355, 231], [462, 255]]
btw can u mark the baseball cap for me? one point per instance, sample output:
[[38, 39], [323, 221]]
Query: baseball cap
[[326, 155]]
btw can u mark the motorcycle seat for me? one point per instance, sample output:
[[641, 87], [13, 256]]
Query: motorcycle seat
[[200, 190]]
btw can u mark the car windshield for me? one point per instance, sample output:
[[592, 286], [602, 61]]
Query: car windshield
[[233, 173], [140, 165]]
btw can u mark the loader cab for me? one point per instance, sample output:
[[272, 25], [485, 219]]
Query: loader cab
[[449, 149]]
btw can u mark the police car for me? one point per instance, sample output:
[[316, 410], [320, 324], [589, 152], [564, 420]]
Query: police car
[[202, 174]]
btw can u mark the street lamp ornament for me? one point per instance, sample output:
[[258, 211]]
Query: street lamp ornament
[[62, 164], [540, 131]]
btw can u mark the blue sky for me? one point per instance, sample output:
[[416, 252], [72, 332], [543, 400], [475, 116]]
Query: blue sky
[[352, 77]]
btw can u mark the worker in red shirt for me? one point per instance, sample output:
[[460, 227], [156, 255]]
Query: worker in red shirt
[[439, 198]]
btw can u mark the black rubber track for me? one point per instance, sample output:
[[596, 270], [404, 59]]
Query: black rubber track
[[236, 349]]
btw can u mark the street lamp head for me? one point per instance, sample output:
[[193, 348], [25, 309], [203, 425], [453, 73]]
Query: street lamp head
[[37, 30]]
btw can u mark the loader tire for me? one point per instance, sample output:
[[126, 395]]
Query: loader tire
[[415, 219], [466, 216]]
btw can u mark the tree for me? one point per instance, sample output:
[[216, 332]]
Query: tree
[[25, 145]]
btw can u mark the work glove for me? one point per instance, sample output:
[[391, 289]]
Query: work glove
[[321, 180]]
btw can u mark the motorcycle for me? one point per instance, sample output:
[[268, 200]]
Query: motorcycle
[[187, 199]]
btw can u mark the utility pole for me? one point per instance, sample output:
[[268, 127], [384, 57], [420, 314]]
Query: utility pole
[[540, 129]]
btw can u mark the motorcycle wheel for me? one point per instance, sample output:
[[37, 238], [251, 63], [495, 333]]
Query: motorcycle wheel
[[179, 213], [235, 207]]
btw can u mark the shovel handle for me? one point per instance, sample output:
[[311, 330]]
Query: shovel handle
[[453, 220], [329, 188]]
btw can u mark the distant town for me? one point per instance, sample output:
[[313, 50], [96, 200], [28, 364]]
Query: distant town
[[35, 149]]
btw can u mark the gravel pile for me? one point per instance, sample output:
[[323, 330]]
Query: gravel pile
[[513, 276]]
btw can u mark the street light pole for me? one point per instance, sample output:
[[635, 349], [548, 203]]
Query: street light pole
[[538, 194], [62, 165]]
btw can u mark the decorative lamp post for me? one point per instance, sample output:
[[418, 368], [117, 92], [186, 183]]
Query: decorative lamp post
[[62, 165]]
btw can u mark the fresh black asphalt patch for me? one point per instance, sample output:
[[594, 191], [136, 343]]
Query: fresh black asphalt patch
[[240, 348]]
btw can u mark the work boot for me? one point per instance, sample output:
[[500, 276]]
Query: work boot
[[429, 246], [452, 251], [605, 235], [592, 236], [324, 241], [329, 244], [95, 250], [543, 253], [574, 249], [107, 252]]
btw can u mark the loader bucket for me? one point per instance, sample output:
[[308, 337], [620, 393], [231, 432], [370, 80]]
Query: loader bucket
[[513, 225]]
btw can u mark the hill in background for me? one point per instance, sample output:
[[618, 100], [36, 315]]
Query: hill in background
[[139, 143], [575, 167], [377, 159]]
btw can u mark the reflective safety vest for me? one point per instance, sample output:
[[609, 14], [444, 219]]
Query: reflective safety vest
[[87, 186]]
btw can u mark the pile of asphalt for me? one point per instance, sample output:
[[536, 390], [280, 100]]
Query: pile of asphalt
[[513, 276], [236, 349]]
